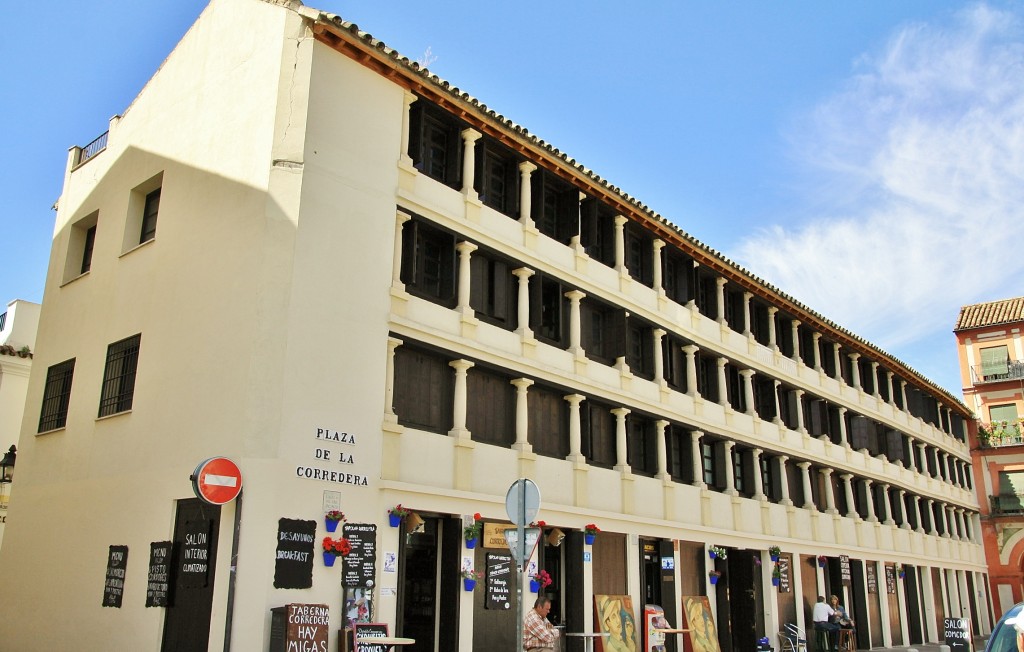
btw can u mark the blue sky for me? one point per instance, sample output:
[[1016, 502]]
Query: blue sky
[[865, 157]]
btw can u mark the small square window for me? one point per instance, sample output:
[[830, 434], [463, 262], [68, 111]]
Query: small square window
[[119, 376], [56, 396]]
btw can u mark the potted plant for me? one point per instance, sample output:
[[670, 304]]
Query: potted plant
[[900, 571], [717, 552], [589, 532], [472, 532], [774, 552], [396, 514], [540, 580], [713, 576], [332, 518], [776, 575], [469, 579], [333, 548], [822, 560]]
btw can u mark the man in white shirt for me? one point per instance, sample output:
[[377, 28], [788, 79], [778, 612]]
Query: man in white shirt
[[822, 616]]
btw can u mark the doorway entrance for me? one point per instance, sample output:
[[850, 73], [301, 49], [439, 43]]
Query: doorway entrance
[[657, 581], [194, 556]]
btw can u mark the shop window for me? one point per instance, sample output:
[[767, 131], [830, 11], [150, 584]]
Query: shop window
[[56, 396], [429, 262], [424, 389], [435, 143]]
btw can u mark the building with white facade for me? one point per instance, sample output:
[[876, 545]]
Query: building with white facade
[[299, 250], [17, 342]]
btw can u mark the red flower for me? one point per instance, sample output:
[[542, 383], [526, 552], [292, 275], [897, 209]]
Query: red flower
[[541, 524], [477, 517]]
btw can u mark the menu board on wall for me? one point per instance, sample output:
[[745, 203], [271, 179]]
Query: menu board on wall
[[293, 560], [194, 562], [784, 577], [844, 570], [371, 630], [361, 563], [499, 576], [158, 582], [113, 586], [872, 577], [890, 579]]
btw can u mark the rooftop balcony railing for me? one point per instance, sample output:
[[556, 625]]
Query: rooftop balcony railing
[[1012, 370], [93, 148], [1007, 504], [3, 320]]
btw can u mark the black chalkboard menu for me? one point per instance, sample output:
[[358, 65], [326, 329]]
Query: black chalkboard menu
[[957, 632], [293, 559], [872, 577], [890, 579], [194, 561], [360, 564], [158, 583], [113, 586], [844, 570], [499, 581], [370, 630], [784, 577]]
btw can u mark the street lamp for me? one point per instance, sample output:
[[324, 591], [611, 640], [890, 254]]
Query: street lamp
[[7, 464]]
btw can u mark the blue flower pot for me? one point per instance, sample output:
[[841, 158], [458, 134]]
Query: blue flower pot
[[471, 543], [714, 579], [534, 586], [468, 584], [329, 558], [395, 520], [775, 581], [589, 539], [331, 524]]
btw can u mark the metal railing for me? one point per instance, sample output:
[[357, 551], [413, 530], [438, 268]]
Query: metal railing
[[3, 320], [1014, 371], [1006, 504], [93, 148], [1003, 433]]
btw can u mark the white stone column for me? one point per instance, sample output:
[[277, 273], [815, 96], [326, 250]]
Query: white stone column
[[917, 513], [723, 389], [943, 460], [403, 154], [656, 247], [389, 381], [805, 475], [659, 356], [469, 138], [800, 427], [396, 262], [816, 339], [620, 245], [836, 362], [874, 381], [526, 170], [575, 437], [911, 463], [886, 518], [870, 501], [851, 504], [777, 420], [783, 480], [903, 394], [844, 437], [691, 370], [660, 426], [930, 506], [795, 324], [461, 368], [720, 298], [465, 250], [773, 342], [758, 481], [905, 525], [697, 458], [923, 458], [574, 297], [888, 380], [961, 527], [622, 463], [748, 391], [944, 509], [855, 370], [747, 296], [730, 472], [830, 499], [522, 386], [523, 275]]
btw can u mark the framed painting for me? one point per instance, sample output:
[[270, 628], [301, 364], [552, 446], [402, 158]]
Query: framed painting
[[701, 623], [614, 616]]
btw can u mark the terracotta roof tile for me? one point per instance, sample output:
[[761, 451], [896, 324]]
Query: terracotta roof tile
[[992, 313]]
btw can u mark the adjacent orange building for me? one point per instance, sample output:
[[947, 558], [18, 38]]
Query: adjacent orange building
[[991, 352]]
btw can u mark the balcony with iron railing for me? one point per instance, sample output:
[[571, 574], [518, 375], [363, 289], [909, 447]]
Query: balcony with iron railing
[[1007, 504], [1001, 433], [3, 320], [989, 373], [92, 149]]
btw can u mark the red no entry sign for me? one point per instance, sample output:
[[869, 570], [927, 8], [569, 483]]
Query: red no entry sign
[[217, 480]]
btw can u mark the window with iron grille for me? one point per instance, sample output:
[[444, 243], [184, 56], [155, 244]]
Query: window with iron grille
[[119, 376], [56, 395]]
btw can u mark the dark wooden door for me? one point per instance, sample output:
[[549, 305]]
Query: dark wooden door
[[194, 555], [910, 590], [940, 609], [743, 599]]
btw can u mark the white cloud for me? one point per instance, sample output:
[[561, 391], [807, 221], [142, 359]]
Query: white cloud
[[918, 169]]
